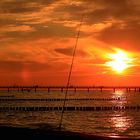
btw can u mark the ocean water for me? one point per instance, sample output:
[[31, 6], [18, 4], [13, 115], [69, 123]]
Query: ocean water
[[111, 123]]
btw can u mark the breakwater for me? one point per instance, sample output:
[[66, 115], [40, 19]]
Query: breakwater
[[69, 108]]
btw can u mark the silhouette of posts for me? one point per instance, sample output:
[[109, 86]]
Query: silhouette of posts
[[61, 89], [74, 88], [48, 89], [22, 89], [126, 89], [18, 89], [35, 89], [114, 89], [101, 89]]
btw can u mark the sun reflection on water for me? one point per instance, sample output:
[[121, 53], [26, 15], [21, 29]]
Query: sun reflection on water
[[120, 94], [121, 123]]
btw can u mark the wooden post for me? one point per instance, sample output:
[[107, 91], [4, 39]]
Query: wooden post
[[61, 89], [48, 89], [101, 89], [114, 89], [22, 89]]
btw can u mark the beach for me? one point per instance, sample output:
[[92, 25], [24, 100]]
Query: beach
[[20, 133]]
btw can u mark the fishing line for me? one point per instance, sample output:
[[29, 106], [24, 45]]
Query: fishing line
[[70, 71]]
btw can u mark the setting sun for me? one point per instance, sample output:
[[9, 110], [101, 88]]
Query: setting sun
[[119, 61]]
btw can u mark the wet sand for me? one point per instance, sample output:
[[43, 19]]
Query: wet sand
[[22, 133]]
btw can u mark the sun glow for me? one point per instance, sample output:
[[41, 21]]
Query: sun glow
[[120, 61]]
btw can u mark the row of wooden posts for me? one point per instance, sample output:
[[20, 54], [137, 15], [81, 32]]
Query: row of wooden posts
[[75, 89], [59, 99], [69, 108]]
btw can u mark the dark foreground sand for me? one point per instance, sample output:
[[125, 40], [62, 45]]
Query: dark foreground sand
[[26, 133]]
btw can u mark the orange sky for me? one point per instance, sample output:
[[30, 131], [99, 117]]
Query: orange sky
[[37, 38]]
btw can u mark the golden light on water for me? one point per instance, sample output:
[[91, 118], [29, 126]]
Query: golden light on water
[[121, 123], [119, 61]]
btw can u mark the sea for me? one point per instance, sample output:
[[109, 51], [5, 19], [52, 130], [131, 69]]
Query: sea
[[110, 123]]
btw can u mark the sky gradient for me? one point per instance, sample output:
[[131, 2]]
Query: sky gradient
[[37, 38]]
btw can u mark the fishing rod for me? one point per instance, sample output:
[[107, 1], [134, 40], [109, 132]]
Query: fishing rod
[[70, 71]]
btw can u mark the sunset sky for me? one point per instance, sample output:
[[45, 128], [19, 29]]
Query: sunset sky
[[37, 38]]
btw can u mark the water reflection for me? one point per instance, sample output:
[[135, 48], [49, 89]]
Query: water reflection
[[121, 122], [121, 94]]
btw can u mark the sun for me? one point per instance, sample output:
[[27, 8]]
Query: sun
[[119, 61]]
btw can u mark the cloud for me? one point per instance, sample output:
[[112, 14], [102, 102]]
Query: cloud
[[126, 38], [40, 34], [61, 18], [22, 6], [13, 28], [65, 51], [47, 17]]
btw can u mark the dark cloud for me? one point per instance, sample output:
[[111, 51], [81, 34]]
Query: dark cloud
[[73, 10], [108, 9], [69, 52], [8, 21], [65, 51], [48, 30], [127, 38], [17, 7], [23, 6], [124, 17], [55, 29]]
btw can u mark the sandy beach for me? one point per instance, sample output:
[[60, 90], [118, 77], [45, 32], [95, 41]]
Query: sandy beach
[[20, 133]]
